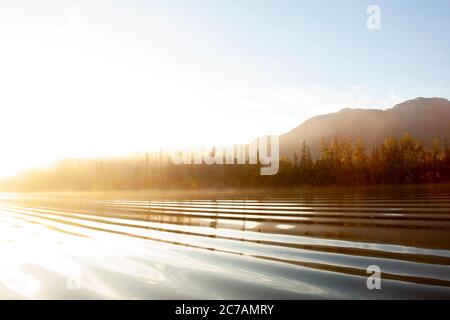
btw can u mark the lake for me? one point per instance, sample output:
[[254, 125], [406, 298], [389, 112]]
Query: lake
[[298, 244]]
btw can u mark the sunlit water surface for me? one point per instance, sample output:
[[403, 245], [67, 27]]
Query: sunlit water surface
[[212, 246]]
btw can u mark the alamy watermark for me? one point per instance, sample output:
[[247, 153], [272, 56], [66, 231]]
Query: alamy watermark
[[264, 151], [374, 20], [74, 279], [374, 280]]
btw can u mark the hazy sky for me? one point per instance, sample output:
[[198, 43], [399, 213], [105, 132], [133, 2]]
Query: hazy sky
[[93, 78]]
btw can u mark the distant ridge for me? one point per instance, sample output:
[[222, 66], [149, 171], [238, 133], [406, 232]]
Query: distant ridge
[[424, 118]]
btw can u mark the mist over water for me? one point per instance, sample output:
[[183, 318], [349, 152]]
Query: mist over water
[[293, 245]]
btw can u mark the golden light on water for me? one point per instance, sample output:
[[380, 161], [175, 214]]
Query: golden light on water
[[106, 245], [94, 96]]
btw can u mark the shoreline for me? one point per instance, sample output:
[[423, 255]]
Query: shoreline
[[247, 192]]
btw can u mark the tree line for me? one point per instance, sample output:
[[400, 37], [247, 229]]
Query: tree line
[[341, 162]]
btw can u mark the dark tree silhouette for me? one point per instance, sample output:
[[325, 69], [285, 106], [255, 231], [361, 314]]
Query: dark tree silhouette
[[404, 160]]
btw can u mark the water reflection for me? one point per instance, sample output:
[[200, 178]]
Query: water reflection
[[296, 246]]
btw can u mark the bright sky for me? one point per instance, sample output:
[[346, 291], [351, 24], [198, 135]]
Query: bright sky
[[98, 78]]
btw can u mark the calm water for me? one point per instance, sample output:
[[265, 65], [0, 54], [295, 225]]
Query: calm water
[[270, 245]]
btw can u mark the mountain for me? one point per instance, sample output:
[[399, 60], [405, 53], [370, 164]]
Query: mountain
[[424, 118]]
